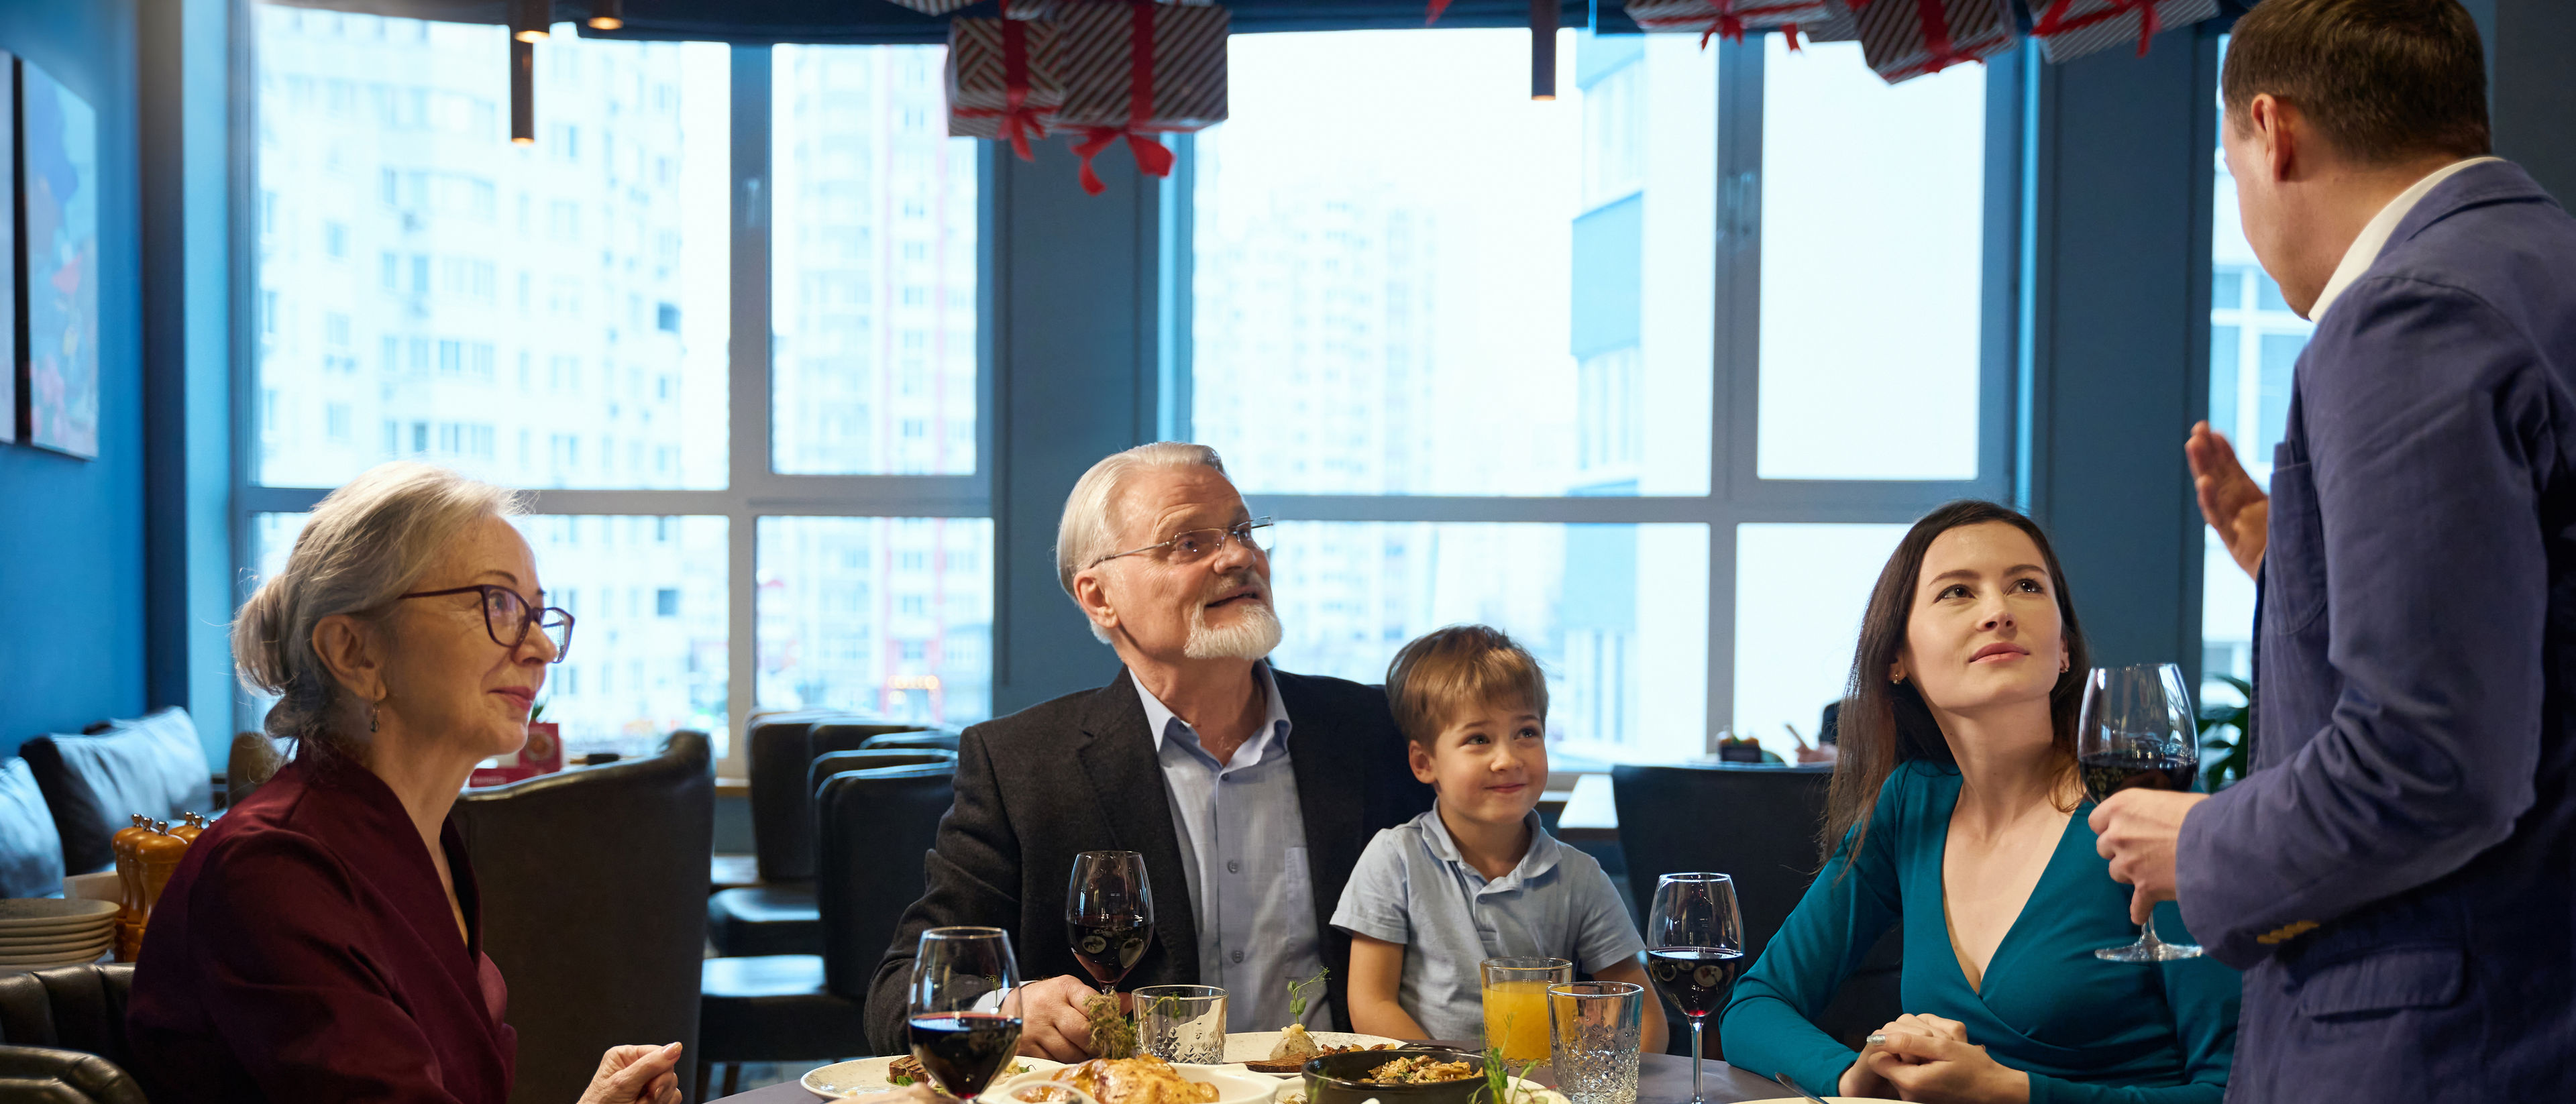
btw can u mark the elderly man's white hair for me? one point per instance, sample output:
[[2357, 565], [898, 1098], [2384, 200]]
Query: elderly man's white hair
[[1089, 530]]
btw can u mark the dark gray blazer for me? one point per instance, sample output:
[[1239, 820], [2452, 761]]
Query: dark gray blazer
[[2397, 877], [1079, 774]]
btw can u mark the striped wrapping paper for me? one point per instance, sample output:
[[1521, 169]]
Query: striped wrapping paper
[[1046, 9], [979, 80], [1185, 60], [1723, 18], [1904, 39], [2069, 29], [1838, 25]]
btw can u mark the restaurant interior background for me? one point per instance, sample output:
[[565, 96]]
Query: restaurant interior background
[[1651, 375]]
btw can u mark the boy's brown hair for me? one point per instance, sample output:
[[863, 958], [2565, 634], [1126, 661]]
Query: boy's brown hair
[[1447, 670]]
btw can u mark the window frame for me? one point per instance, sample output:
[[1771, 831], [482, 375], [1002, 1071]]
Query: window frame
[[753, 490], [1738, 494]]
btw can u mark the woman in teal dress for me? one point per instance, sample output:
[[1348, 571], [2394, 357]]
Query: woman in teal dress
[[1956, 812]]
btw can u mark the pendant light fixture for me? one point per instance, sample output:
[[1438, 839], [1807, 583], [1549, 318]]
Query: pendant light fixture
[[607, 15], [523, 93], [529, 19], [1543, 49]]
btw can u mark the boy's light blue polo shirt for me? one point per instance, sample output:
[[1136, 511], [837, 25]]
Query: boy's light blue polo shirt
[[1411, 887]]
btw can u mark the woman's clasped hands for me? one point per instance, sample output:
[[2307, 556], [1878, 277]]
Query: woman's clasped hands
[[1928, 1058]]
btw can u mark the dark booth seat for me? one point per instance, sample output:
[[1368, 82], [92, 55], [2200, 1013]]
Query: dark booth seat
[[778, 916], [94, 784], [591, 880], [1757, 824], [876, 828], [62, 1035]]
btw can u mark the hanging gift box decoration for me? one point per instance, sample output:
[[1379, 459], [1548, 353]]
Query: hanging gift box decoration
[[1133, 69], [1005, 80], [1727, 19], [1905, 39], [2069, 29], [1049, 9], [1838, 24]]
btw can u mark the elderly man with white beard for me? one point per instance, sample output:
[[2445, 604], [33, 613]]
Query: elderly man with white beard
[[1249, 791]]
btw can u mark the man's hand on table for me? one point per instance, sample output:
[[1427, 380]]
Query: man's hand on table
[[2138, 832], [1052, 1024]]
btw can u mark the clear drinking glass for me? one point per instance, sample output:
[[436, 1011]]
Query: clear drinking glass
[[1596, 1027], [1109, 914], [1695, 949], [1515, 994], [2136, 733], [1181, 1023], [960, 1046]]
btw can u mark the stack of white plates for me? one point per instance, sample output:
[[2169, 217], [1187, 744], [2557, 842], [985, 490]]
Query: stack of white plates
[[39, 932]]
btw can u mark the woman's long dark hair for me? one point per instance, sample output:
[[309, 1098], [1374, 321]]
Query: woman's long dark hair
[[1882, 723]]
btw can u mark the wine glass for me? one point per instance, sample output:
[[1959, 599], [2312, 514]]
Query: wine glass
[[1694, 950], [1109, 914], [958, 1042], [2136, 733]]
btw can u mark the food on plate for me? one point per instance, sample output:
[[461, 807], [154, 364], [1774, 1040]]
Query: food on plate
[[1296, 1047], [1144, 1079], [1418, 1069]]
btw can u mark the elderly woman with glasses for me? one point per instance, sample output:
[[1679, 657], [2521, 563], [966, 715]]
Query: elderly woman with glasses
[[323, 940]]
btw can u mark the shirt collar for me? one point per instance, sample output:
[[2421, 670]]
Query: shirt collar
[[2375, 234], [1539, 859], [1159, 718]]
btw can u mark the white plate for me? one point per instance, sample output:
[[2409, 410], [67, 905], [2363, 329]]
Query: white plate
[[1231, 1087], [841, 1080], [1255, 1046], [29, 944], [21, 913], [1293, 1091], [55, 958]]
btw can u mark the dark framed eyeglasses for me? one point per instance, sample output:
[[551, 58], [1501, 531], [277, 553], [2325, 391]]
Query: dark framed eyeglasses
[[1199, 544], [507, 617]]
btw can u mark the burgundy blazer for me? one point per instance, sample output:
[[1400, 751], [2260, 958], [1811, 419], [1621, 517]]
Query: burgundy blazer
[[304, 951]]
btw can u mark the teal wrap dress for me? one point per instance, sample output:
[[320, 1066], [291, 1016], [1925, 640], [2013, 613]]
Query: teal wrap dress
[[2084, 1029]]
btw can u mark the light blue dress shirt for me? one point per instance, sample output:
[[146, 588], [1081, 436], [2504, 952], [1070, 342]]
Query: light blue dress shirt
[[1243, 844]]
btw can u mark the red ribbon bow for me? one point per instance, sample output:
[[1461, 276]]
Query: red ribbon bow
[[1019, 121], [1936, 37], [2054, 22], [1152, 157]]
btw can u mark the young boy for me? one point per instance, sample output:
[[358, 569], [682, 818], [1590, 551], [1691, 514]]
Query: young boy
[[1476, 877]]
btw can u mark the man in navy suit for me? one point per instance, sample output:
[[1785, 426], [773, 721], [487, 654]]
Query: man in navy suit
[[2397, 877]]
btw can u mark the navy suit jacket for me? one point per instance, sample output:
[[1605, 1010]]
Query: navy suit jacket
[[2397, 877]]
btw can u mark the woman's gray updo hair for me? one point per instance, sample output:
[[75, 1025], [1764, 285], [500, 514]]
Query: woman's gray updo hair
[[367, 542]]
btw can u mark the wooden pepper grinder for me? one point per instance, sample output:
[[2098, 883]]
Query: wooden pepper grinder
[[191, 824], [129, 881], [160, 853]]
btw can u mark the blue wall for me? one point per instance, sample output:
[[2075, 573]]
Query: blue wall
[[71, 531]]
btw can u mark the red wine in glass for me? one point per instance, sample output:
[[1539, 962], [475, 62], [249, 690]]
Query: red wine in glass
[[2136, 731], [963, 1050], [962, 1007], [2110, 772], [1695, 979], [1109, 914]]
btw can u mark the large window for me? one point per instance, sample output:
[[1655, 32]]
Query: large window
[[565, 316], [1508, 361]]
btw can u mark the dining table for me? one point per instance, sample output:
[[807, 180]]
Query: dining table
[[1661, 1079]]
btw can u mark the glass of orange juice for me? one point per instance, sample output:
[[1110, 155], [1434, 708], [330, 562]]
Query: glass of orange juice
[[1516, 1004]]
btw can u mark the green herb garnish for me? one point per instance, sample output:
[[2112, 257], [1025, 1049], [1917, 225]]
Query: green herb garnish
[[1499, 1074], [1297, 994]]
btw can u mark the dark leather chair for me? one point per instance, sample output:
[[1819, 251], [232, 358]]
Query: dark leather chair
[[95, 783], [1758, 824], [590, 880], [876, 828], [778, 915], [943, 739], [255, 758], [31, 847], [62, 1035]]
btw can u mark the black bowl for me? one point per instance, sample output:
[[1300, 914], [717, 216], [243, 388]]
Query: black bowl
[[1332, 1079]]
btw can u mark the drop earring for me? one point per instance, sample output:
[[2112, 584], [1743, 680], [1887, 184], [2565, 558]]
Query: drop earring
[[371, 718]]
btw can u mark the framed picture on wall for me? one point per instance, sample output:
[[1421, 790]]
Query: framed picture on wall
[[57, 284]]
